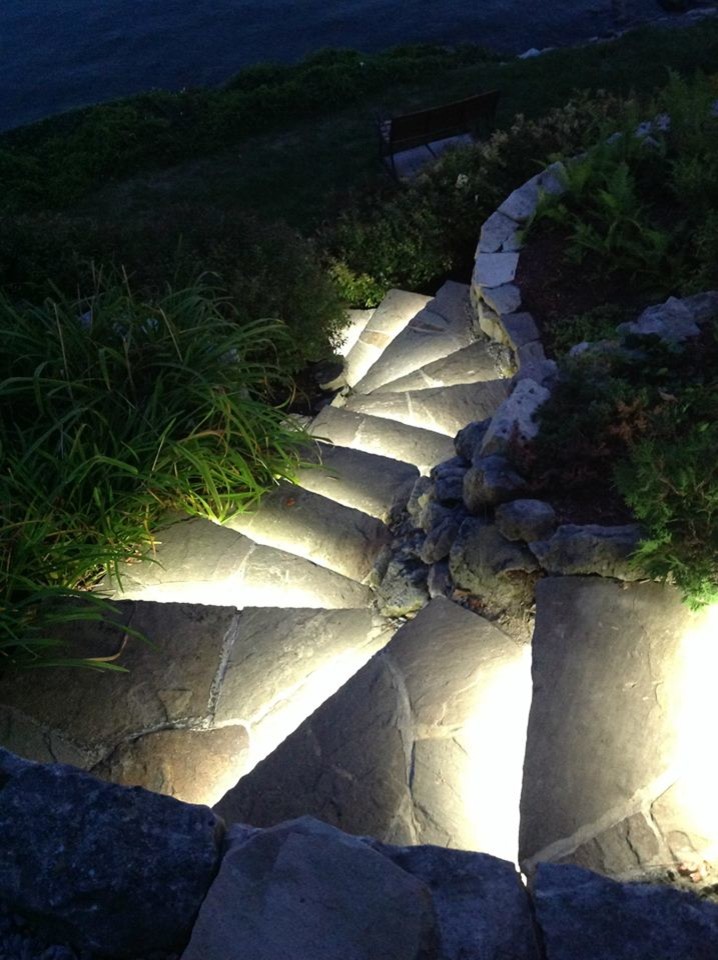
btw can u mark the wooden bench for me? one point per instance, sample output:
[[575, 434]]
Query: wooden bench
[[473, 115]]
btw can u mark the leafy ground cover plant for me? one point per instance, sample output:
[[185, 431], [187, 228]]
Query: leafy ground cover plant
[[114, 410], [631, 434], [638, 215]]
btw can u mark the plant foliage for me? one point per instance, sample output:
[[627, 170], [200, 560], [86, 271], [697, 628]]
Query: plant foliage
[[113, 411]]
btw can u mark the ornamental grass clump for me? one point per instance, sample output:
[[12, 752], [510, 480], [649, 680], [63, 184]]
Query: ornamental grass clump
[[114, 411]]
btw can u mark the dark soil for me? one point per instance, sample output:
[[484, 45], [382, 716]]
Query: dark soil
[[553, 288]]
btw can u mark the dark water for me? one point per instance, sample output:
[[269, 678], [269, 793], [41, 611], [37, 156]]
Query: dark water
[[58, 54]]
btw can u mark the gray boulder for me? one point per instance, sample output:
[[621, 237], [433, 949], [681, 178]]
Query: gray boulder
[[448, 479], [491, 480], [403, 589], [467, 442], [435, 515], [515, 419], [526, 520], [306, 891], [501, 300], [702, 306], [499, 233], [519, 329], [422, 493], [482, 908], [501, 573], [440, 539], [583, 916], [533, 365], [590, 548], [672, 321], [117, 871], [495, 269]]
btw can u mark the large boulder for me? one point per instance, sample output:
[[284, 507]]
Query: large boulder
[[583, 916], [591, 548], [672, 321], [501, 572], [526, 520], [489, 481], [120, 872], [306, 891], [482, 907]]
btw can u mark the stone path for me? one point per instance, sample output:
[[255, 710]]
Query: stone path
[[256, 623]]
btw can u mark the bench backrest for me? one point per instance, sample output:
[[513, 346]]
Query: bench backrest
[[436, 123]]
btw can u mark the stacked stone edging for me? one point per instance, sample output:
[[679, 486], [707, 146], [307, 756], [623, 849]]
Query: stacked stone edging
[[472, 521]]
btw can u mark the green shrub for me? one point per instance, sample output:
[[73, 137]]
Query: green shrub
[[114, 410], [599, 323], [671, 483], [265, 270], [415, 236]]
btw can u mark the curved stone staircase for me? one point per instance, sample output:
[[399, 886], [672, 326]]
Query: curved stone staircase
[[273, 688], [256, 623]]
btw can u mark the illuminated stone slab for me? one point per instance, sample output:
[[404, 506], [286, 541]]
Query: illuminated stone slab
[[316, 528], [388, 320], [424, 745], [479, 361], [367, 482], [620, 774], [196, 561], [443, 409], [440, 329], [213, 692], [387, 438]]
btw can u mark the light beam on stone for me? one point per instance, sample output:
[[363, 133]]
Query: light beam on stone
[[696, 791], [495, 740]]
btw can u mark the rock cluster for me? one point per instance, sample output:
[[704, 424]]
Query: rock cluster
[[471, 528], [132, 875]]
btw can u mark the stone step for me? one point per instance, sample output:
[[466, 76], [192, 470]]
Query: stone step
[[214, 692], [391, 316], [387, 438], [440, 329], [375, 485], [203, 563], [424, 745], [329, 534], [357, 321], [443, 409], [478, 362]]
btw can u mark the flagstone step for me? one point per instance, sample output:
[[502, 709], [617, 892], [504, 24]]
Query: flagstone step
[[375, 485], [316, 528], [356, 324], [443, 409], [203, 563], [424, 745], [387, 438], [213, 693], [473, 364], [391, 316], [442, 328]]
